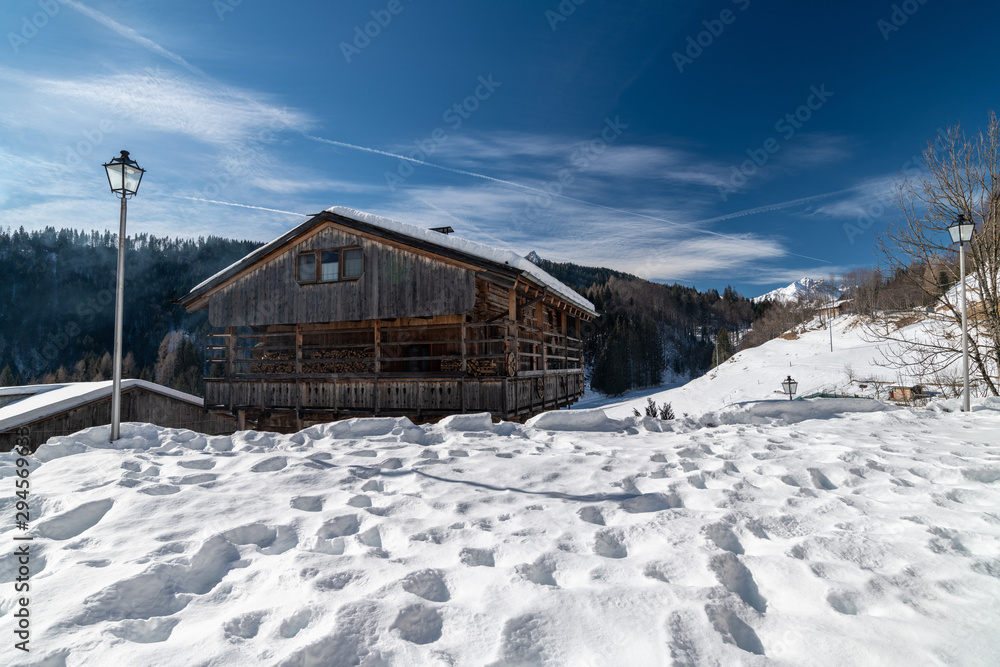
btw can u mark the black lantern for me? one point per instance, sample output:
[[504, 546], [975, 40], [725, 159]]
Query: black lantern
[[124, 175], [790, 386]]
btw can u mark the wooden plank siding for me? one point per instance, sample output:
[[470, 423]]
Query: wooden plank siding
[[395, 283]]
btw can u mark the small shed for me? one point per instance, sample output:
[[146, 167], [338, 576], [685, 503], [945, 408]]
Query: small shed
[[352, 314], [905, 394], [42, 411]]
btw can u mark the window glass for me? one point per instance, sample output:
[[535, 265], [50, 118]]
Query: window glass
[[330, 265], [307, 267], [353, 263]]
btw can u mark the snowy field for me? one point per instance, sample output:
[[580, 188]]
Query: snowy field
[[780, 533], [752, 531]]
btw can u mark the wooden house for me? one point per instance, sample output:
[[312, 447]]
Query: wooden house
[[42, 411], [351, 314]]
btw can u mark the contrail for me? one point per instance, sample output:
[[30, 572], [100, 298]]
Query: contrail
[[229, 203], [462, 172], [130, 34], [773, 207]]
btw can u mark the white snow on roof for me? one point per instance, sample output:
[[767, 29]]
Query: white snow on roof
[[473, 248], [49, 399]]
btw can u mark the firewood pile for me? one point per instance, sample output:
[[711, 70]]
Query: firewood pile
[[349, 360], [473, 367], [481, 367]]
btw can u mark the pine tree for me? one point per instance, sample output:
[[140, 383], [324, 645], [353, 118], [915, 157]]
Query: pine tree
[[7, 378]]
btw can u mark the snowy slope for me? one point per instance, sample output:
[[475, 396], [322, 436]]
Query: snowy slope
[[790, 534], [756, 374]]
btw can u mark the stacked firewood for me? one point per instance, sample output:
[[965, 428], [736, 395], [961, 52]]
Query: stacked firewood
[[481, 367], [348, 360], [473, 367]]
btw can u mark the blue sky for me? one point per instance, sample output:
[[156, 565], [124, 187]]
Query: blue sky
[[711, 143]]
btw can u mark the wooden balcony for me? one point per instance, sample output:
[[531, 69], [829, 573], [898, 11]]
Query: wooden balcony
[[288, 377]]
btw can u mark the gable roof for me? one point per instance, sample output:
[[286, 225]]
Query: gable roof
[[37, 401], [446, 244]]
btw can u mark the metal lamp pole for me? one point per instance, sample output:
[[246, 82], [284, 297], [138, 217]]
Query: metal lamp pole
[[965, 332], [961, 233], [124, 175]]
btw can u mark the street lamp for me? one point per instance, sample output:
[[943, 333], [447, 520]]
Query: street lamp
[[124, 175], [790, 386], [961, 233]]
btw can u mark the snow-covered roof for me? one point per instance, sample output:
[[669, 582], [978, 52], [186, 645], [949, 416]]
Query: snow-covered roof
[[472, 248], [45, 400]]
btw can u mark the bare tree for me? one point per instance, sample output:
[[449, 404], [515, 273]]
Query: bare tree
[[960, 176]]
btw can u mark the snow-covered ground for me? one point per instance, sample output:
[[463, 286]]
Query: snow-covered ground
[[756, 374], [788, 533], [754, 531]]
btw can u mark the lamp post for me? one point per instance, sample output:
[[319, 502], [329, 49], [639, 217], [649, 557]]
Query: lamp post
[[124, 175], [961, 233], [790, 386]]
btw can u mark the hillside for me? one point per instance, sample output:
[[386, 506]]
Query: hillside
[[756, 374]]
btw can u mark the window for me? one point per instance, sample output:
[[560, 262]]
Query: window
[[330, 265], [307, 267], [353, 263]]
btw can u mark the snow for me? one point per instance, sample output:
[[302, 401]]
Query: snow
[[50, 399], [527, 268], [773, 532], [751, 530], [756, 374], [805, 288]]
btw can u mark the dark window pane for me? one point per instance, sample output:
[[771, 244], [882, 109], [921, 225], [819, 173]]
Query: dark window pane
[[353, 263], [330, 265], [307, 267]]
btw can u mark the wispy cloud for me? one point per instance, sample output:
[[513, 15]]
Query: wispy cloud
[[131, 35]]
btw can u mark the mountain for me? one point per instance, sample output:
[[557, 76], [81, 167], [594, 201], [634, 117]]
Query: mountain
[[807, 289]]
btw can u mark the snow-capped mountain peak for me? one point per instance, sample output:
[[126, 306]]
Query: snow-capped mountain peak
[[808, 289]]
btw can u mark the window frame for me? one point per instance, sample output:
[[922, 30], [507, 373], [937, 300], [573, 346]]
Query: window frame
[[317, 254]]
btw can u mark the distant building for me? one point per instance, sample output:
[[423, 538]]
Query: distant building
[[43, 411], [351, 314]]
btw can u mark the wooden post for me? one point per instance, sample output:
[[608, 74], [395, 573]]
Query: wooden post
[[230, 353], [298, 372], [377, 332], [565, 335], [463, 367], [541, 327]]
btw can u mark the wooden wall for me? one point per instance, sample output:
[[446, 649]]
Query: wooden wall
[[138, 405], [396, 283]]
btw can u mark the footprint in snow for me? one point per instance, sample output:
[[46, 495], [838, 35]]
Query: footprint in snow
[[196, 464], [539, 572], [724, 538], [418, 624], [476, 557], [609, 545], [244, 627], [307, 503], [77, 520], [735, 576], [592, 514], [272, 464], [295, 623], [152, 631], [732, 627], [428, 584]]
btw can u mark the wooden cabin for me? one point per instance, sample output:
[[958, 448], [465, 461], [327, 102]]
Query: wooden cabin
[[42, 411], [350, 314]]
